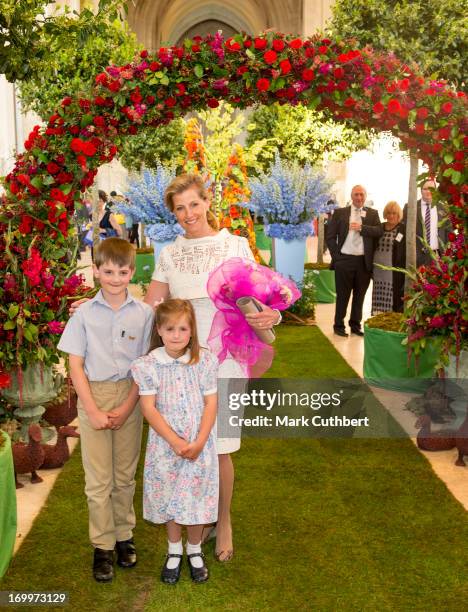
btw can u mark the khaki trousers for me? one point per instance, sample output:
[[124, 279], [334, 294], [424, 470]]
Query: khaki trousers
[[110, 459]]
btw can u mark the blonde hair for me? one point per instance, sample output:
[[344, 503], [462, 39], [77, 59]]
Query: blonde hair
[[186, 181], [393, 206], [176, 309], [114, 250]]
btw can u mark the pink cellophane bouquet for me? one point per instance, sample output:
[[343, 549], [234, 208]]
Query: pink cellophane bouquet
[[230, 332]]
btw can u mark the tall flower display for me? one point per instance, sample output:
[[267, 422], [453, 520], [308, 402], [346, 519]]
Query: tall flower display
[[288, 197], [61, 159], [146, 203], [233, 211]]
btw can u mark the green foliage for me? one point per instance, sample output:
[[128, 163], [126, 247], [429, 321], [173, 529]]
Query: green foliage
[[301, 135], [75, 56], [164, 144], [434, 33], [305, 305], [26, 32]]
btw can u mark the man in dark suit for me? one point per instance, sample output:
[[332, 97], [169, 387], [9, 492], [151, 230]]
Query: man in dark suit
[[351, 234], [428, 218]]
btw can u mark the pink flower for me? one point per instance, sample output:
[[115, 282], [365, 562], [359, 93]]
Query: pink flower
[[55, 327], [432, 289], [437, 321], [417, 335]]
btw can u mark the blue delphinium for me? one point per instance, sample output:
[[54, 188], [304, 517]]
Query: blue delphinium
[[288, 197], [146, 203]]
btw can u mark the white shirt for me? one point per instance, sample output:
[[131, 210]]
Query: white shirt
[[434, 240], [354, 243]]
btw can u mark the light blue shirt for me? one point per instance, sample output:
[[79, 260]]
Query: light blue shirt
[[109, 340]]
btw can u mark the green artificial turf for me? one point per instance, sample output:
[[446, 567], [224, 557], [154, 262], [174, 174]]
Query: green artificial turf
[[319, 525]]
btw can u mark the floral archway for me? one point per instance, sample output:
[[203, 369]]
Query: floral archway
[[61, 160]]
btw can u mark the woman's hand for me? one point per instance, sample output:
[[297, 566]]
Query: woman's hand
[[192, 450], [264, 319], [178, 445], [75, 305]]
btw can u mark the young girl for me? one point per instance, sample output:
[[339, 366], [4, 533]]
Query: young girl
[[177, 382]]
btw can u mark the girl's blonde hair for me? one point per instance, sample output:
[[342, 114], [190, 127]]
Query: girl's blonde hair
[[175, 309], [187, 181]]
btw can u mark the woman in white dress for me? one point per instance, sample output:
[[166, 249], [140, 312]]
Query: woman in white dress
[[182, 272]]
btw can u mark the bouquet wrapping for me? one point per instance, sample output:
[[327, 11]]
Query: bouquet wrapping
[[230, 333]]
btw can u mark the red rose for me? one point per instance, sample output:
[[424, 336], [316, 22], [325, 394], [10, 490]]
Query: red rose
[[5, 380], [308, 74], [66, 101], [232, 45], [74, 129], [84, 104], [394, 106], [52, 168], [136, 96], [132, 129], [285, 66], [446, 108], [170, 102], [14, 187], [99, 101], [444, 133], [350, 102], [76, 145], [23, 179], [181, 89], [378, 108], [114, 86], [310, 52], [150, 99], [144, 54], [296, 43], [419, 128], [422, 112], [270, 57], [196, 48], [404, 84], [260, 43], [154, 66], [241, 70], [212, 102], [459, 155], [458, 166], [322, 49], [57, 194], [339, 72], [247, 43], [89, 149], [278, 44], [263, 84]]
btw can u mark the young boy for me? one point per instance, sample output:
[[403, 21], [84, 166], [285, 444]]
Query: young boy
[[103, 338]]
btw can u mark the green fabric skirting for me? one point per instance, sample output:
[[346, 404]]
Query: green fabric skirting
[[386, 362], [7, 504], [325, 291]]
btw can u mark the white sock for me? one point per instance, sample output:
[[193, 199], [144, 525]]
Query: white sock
[[175, 548], [194, 549]]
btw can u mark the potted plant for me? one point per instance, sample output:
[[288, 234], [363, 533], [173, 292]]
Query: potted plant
[[436, 307], [288, 197], [386, 360], [146, 205]]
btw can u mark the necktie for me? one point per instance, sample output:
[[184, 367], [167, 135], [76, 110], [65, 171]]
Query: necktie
[[427, 223], [356, 234]]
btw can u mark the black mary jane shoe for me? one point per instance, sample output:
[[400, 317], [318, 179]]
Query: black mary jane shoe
[[126, 553], [171, 576], [198, 574], [103, 565]]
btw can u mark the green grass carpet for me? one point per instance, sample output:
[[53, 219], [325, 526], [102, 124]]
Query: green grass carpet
[[319, 525]]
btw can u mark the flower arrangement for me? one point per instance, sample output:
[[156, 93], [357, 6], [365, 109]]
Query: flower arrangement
[[61, 159], [436, 306], [146, 204], [288, 197]]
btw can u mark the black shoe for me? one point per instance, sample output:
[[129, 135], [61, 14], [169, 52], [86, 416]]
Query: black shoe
[[171, 576], [357, 332], [126, 553], [340, 332], [198, 574], [103, 565]]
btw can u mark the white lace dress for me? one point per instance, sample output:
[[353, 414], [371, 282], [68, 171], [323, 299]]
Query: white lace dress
[[185, 266]]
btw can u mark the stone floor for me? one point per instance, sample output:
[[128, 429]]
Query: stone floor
[[31, 498]]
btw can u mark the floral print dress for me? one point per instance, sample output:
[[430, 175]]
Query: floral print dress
[[175, 488]]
